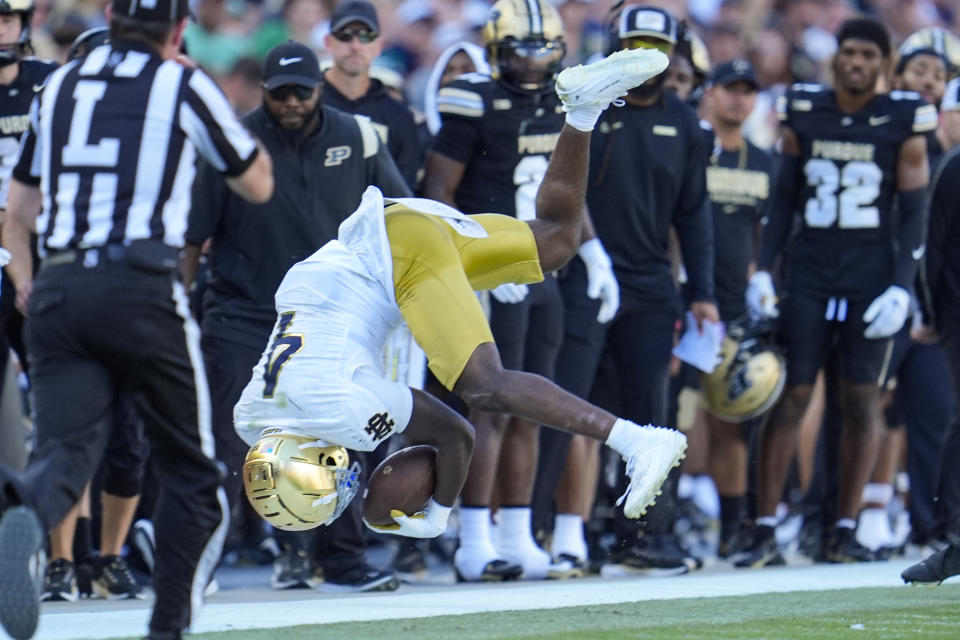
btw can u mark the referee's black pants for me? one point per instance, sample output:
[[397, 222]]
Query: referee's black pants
[[622, 366], [948, 494], [92, 333]]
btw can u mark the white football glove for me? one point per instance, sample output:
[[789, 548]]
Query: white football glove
[[887, 313], [429, 523], [510, 293], [761, 296], [601, 281]]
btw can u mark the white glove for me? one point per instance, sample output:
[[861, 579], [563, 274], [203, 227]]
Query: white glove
[[5, 257], [887, 313], [510, 293], [601, 281], [761, 296], [429, 523]]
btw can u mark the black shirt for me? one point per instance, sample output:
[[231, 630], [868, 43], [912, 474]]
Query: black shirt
[[504, 137], [318, 183], [392, 119], [648, 172], [939, 292], [846, 243], [738, 182], [14, 119]]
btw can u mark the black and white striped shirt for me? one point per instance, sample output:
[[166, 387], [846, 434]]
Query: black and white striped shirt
[[113, 141]]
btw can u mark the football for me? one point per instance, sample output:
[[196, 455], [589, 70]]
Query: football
[[404, 480]]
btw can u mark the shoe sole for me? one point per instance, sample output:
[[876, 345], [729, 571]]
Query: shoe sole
[[661, 478], [774, 560], [104, 594], [59, 596], [565, 574], [495, 571], [624, 570], [21, 538], [577, 76], [388, 583]]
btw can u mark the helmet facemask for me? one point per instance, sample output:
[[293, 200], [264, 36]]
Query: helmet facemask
[[11, 52], [529, 64]]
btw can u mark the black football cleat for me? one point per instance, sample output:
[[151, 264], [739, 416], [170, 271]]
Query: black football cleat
[[935, 569], [496, 571], [844, 548], [763, 552]]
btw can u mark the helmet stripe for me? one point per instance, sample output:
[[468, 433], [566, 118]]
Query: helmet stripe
[[536, 20]]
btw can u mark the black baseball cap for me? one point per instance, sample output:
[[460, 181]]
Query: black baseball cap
[[734, 71], [354, 11], [641, 20], [152, 10], [291, 63]]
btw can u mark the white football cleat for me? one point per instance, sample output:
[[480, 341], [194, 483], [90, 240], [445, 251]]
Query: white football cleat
[[656, 452], [600, 83]]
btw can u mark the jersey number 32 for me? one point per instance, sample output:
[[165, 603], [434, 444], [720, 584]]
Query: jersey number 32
[[843, 197]]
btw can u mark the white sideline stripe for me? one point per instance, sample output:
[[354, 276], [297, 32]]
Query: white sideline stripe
[[419, 602]]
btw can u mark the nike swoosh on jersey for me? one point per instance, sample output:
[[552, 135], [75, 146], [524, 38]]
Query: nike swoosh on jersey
[[876, 121], [285, 61], [918, 252]]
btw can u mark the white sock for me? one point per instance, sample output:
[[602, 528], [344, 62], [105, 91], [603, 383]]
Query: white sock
[[623, 436], [846, 523], [568, 535], [584, 117], [767, 521], [476, 549], [515, 527], [877, 492]]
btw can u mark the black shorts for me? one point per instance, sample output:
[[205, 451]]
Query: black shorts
[[811, 325], [529, 333]]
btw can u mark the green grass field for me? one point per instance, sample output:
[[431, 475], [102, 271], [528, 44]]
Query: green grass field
[[904, 612]]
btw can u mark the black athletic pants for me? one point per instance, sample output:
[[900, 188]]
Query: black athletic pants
[[338, 547], [622, 365], [92, 333], [948, 506]]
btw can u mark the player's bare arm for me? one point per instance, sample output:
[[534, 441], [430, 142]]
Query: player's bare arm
[[442, 177]]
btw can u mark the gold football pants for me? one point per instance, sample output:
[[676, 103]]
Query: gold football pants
[[435, 273]]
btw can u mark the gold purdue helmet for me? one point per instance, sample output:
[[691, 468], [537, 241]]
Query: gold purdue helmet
[[11, 52], [935, 41], [295, 483], [750, 377], [524, 43]]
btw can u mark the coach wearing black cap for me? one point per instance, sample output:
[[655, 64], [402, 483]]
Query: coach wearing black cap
[[323, 160], [354, 42], [739, 179], [109, 160]]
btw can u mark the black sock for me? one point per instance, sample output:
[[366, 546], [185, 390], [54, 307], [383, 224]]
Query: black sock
[[82, 542], [731, 515]]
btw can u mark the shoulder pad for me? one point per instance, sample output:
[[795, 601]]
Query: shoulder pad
[[371, 141], [474, 77], [458, 100], [925, 118]]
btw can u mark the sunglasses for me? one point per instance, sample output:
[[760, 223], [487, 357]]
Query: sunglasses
[[661, 45], [281, 93], [365, 36]]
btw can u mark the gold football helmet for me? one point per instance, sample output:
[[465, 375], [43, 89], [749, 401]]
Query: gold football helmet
[[524, 43], [935, 41], [699, 56], [11, 52], [750, 377], [296, 482]]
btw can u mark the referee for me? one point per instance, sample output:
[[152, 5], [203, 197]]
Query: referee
[[109, 157]]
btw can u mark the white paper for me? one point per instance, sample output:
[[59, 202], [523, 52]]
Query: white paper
[[700, 349]]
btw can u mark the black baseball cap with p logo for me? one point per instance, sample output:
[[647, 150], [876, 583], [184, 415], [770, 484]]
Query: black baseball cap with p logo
[[152, 10], [291, 63]]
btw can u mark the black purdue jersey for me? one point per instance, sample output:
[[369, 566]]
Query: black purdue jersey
[[504, 137], [846, 243], [738, 185], [14, 115]]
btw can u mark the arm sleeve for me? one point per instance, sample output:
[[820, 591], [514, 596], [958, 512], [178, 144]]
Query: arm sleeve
[[780, 212], [461, 111], [27, 167], [911, 234], [694, 225], [208, 120], [209, 200]]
